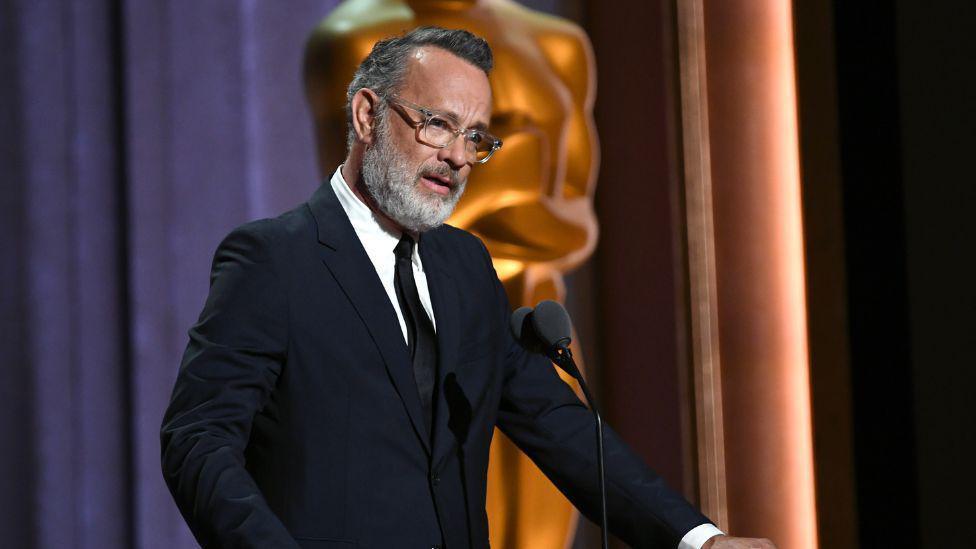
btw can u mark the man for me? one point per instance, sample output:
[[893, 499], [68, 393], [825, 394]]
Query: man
[[352, 360]]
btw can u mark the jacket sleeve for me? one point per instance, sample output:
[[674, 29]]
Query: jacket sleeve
[[546, 420], [234, 356]]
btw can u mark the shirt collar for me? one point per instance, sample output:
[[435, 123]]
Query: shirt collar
[[372, 232]]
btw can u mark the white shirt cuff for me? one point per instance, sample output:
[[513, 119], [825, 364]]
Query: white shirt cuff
[[697, 536]]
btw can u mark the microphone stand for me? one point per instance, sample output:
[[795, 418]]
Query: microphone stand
[[563, 357]]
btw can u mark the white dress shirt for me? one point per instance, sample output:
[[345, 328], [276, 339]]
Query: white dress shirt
[[379, 241], [697, 536]]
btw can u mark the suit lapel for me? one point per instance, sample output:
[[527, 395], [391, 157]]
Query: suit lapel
[[352, 269], [444, 300]]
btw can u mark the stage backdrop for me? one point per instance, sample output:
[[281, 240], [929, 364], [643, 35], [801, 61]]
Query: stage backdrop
[[133, 136]]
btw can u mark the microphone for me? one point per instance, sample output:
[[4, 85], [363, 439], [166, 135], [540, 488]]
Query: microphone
[[523, 331], [547, 329], [552, 324]]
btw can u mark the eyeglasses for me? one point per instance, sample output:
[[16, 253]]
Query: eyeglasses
[[439, 130]]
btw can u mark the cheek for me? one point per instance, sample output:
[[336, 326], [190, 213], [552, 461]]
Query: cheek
[[408, 148], [418, 154]]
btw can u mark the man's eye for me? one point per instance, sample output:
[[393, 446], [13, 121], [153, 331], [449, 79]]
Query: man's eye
[[476, 137], [439, 123]]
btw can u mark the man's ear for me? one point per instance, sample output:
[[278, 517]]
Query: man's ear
[[363, 106]]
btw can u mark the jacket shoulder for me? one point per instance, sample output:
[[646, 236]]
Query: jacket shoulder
[[459, 237], [461, 241], [280, 230]]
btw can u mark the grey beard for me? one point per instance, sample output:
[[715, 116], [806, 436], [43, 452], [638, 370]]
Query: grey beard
[[395, 188]]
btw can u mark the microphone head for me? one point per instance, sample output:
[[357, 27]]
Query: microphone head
[[519, 323], [552, 324]]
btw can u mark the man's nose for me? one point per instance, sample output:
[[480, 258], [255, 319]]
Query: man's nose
[[455, 154]]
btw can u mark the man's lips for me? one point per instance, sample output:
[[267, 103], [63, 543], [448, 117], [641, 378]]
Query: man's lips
[[437, 183]]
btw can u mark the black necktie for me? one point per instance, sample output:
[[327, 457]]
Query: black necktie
[[422, 341]]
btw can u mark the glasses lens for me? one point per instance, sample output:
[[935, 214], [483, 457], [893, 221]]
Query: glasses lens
[[480, 144], [439, 131]]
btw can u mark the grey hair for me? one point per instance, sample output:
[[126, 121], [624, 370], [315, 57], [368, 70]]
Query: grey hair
[[385, 68]]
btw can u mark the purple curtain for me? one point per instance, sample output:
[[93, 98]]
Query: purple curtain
[[134, 135]]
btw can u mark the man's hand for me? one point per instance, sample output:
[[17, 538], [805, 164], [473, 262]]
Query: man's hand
[[726, 542]]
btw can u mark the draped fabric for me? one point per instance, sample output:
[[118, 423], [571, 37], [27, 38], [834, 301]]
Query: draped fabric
[[133, 136]]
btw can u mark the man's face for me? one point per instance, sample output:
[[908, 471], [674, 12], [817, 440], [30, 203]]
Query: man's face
[[415, 184]]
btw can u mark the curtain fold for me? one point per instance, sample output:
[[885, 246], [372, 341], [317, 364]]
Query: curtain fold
[[134, 136], [68, 448]]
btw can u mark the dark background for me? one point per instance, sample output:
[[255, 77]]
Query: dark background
[[887, 134], [906, 90]]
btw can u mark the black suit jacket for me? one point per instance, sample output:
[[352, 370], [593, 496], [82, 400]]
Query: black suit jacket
[[295, 420]]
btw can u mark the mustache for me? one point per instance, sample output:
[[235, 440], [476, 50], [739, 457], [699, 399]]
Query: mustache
[[442, 170]]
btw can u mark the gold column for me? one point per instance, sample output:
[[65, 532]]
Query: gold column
[[702, 285], [746, 254]]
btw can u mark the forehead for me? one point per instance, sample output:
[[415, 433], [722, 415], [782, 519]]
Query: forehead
[[440, 80]]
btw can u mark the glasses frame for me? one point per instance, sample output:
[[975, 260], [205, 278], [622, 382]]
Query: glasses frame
[[420, 127]]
